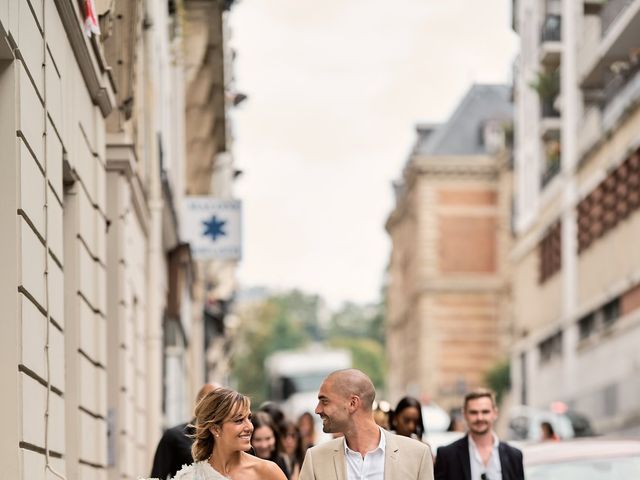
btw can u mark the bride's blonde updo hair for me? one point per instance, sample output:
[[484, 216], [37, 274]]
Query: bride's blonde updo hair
[[214, 409]]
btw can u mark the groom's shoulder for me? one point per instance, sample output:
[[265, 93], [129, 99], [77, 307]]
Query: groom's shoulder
[[328, 446]]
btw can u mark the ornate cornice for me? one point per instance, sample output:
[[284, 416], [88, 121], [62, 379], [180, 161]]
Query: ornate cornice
[[478, 167], [464, 283], [449, 167]]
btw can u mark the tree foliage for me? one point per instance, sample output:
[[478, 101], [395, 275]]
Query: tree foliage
[[293, 319], [281, 322], [498, 379], [368, 356]]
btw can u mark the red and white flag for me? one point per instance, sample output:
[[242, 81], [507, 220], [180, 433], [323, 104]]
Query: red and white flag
[[91, 25]]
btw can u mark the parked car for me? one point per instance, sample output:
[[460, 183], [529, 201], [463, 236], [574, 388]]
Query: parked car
[[524, 423], [593, 458]]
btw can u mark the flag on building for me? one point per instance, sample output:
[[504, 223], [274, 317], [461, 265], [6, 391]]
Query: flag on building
[[91, 25]]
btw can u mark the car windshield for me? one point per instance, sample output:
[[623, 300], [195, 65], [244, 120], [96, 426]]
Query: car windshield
[[596, 469]]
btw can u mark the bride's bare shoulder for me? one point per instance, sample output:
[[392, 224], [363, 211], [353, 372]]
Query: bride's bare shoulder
[[266, 470]]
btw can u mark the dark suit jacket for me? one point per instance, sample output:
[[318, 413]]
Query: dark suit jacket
[[453, 463], [174, 451]]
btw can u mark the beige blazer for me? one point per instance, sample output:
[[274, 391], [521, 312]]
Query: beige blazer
[[404, 459]]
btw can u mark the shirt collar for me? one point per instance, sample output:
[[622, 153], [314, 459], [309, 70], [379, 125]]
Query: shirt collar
[[496, 441], [381, 444]]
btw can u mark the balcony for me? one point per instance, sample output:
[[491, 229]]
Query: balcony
[[547, 85], [548, 108], [550, 121], [620, 92], [620, 24], [590, 130], [550, 127], [551, 167], [551, 40]]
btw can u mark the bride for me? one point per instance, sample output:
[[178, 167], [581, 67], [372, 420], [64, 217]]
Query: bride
[[222, 436]]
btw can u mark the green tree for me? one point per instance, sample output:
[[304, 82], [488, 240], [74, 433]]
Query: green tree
[[302, 310], [290, 320], [281, 322], [498, 379], [367, 355], [360, 329], [251, 349], [354, 320]]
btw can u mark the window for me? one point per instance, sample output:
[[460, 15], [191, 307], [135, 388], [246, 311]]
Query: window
[[611, 312], [550, 348], [599, 320], [587, 326], [550, 251]]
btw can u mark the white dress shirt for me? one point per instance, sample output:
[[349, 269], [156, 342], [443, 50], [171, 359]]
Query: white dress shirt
[[492, 470], [371, 467]]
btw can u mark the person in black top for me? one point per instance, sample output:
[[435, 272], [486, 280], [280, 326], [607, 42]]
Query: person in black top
[[266, 440], [406, 419], [174, 448]]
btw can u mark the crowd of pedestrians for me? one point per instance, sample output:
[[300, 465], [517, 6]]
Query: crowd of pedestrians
[[227, 441], [273, 437]]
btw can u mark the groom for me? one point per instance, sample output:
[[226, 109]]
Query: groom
[[345, 404]]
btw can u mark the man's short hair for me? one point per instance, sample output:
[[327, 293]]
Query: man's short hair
[[353, 381], [480, 393]]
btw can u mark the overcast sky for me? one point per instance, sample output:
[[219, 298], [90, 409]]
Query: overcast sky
[[335, 90]]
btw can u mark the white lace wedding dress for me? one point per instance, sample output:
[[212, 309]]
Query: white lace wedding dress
[[199, 471]]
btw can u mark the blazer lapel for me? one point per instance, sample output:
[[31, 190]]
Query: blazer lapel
[[391, 454], [505, 464], [463, 457], [340, 462]]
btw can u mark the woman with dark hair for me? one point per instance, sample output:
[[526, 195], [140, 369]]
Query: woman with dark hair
[[306, 426], [222, 437], [292, 451], [406, 419], [547, 433], [266, 440]]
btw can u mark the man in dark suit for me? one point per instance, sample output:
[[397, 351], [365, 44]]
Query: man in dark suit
[[479, 455], [174, 448]]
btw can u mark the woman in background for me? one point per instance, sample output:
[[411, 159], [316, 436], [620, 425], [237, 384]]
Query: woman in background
[[306, 426], [222, 437], [292, 448], [406, 419], [547, 433], [266, 440]]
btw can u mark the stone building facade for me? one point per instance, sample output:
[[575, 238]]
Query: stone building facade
[[98, 353], [576, 264], [448, 295]]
